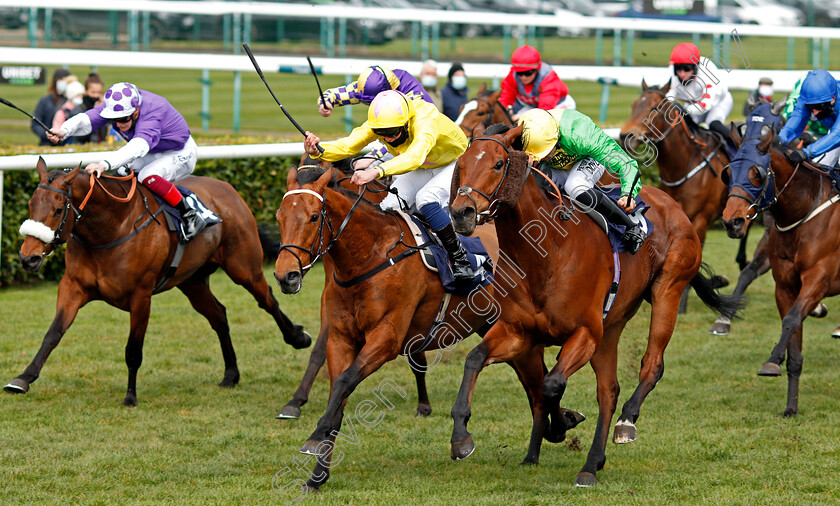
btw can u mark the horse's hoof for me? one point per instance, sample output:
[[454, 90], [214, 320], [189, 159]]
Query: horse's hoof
[[129, 402], [789, 413], [529, 462], [423, 410], [312, 447], [625, 432], [836, 333], [310, 489], [462, 449], [303, 341], [230, 380], [288, 412], [720, 281], [17, 386], [770, 369], [572, 418], [720, 329], [585, 480], [820, 311]]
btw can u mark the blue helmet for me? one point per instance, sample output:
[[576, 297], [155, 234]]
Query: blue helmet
[[819, 87]]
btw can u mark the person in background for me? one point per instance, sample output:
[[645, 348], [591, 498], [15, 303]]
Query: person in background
[[49, 104], [532, 84], [764, 93], [429, 79], [455, 93], [72, 106], [94, 88]]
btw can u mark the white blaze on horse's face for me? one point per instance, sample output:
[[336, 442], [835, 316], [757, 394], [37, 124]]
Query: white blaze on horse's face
[[479, 156], [37, 230], [469, 106]]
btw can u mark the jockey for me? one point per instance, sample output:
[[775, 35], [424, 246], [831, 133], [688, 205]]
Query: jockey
[[371, 82], [707, 96], [532, 83], [425, 144], [817, 97], [571, 143], [160, 148]]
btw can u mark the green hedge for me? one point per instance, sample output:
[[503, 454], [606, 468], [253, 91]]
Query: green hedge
[[261, 182]]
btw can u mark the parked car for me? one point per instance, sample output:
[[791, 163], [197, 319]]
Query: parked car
[[760, 12], [826, 12], [12, 17]]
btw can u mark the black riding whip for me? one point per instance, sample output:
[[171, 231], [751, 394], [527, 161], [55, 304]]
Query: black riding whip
[[36, 120], [315, 75], [259, 71]]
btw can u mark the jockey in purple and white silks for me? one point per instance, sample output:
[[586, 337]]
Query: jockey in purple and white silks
[[160, 148]]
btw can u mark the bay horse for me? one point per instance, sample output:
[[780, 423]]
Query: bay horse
[[483, 109], [374, 312], [119, 250], [690, 161], [803, 257], [569, 268]]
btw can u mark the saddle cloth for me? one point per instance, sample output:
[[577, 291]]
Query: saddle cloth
[[436, 259]]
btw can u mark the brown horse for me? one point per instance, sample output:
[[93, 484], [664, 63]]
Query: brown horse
[[377, 309], [565, 285], [483, 109], [121, 253], [803, 256]]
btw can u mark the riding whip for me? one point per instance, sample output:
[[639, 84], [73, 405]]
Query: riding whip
[[260, 73], [315, 75], [36, 120]]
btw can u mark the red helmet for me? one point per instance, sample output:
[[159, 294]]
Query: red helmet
[[525, 58], [685, 52]]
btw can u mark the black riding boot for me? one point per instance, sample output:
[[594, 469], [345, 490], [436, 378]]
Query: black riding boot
[[835, 177], [461, 268], [633, 234], [191, 222]]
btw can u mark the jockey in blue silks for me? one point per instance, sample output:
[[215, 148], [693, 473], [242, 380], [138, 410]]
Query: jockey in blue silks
[[817, 97]]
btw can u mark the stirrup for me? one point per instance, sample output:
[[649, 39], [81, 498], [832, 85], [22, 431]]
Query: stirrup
[[633, 238], [461, 268]]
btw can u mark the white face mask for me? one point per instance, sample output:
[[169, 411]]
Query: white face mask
[[61, 87], [765, 90], [428, 81], [459, 82], [77, 100]]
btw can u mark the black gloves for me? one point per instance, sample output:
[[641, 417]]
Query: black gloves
[[798, 155]]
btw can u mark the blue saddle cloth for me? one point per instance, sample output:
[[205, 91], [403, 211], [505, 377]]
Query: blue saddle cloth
[[479, 261], [616, 232], [192, 202]]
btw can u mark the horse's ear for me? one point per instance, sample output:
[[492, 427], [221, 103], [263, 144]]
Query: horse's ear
[[666, 88], [478, 131], [325, 179], [291, 178], [764, 145], [512, 134], [735, 134], [41, 167], [778, 106], [644, 85], [68, 179], [482, 89]]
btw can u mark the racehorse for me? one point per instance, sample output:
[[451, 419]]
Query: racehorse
[[803, 256], [564, 289], [483, 109], [690, 161], [120, 250], [383, 301]]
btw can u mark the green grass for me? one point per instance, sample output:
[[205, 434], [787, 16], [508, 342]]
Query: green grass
[[710, 433]]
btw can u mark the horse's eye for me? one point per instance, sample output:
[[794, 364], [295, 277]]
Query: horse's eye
[[499, 165], [57, 212], [313, 218]]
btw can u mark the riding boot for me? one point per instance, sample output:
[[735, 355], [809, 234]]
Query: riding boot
[[633, 234], [718, 127], [834, 173], [191, 222], [461, 267]]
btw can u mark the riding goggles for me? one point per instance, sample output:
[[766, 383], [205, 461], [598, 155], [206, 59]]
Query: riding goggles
[[123, 120], [824, 106], [388, 132], [527, 73], [685, 67]]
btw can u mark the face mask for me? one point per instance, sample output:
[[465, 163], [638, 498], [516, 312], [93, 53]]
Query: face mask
[[428, 81], [765, 90], [90, 102], [459, 82], [77, 101], [61, 87], [399, 140], [825, 113]]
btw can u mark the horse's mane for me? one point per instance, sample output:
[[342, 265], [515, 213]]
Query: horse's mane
[[313, 174], [344, 165], [501, 128]]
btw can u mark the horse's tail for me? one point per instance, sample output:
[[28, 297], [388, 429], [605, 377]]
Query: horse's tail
[[726, 305], [270, 247]]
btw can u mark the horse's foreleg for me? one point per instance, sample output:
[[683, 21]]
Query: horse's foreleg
[[71, 297], [140, 307], [418, 367], [316, 361], [380, 346], [604, 363], [202, 300], [530, 369], [256, 284]]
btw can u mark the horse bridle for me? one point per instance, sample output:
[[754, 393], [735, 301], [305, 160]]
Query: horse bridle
[[315, 255], [489, 119], [68, 205], [493, 202]]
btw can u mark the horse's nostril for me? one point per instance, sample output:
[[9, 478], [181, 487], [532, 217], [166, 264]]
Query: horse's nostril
[[292, 277]]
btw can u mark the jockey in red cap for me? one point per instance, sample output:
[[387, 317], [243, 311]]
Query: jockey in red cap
[[532, 83]]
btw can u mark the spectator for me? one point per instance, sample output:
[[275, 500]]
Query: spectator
[[764, 93], [72, 106], [455, 92], [94, 87], [429, 78], [49, 104]]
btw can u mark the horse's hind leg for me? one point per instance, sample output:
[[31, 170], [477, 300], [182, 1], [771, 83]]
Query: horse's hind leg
[[197, 290], [530, 369], [316, 361], [71, 297], [418, 367], [254, 281], [140, 306]]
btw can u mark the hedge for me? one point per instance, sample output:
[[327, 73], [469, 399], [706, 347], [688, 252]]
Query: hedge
[[261, 182]]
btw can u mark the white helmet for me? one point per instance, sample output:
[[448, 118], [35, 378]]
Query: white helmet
[[121, 100]]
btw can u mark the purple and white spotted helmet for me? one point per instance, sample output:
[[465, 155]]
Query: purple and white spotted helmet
[[121, 100]]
